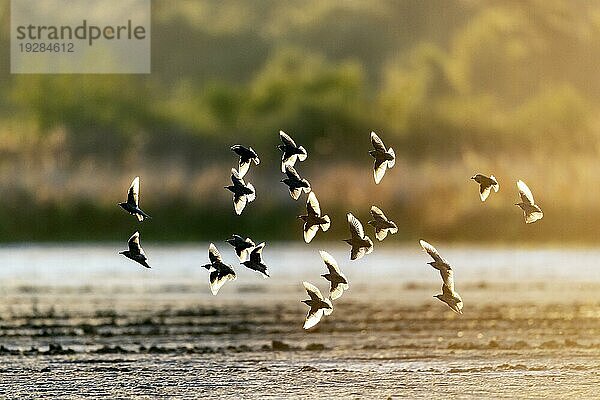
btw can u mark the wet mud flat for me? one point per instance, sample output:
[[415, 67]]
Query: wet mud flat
[[250, 344]]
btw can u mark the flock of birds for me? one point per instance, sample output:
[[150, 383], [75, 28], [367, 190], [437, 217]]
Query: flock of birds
[[250, 254]]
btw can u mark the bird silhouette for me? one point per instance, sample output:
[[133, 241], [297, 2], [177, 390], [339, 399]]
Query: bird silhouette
[[247, 155], [135, 252], [290, 150], [132, 205], [242, 193], [295, 183], [449, 294], [313, 219], [486, 185], [337, 279], [220, 272], [256, 262], [242, 246], [531, 211], [319, 305], [361, 244], [384, 158], [381, 224]]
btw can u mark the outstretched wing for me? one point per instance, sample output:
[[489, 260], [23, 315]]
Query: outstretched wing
[[286, 139], [213, 254], [134, 244], [312, 205], [377, 142], [378, 214], [330, 263], [379, 170], [236, 179], [133, 196], [256, 254], [525, 193], [356, 228], [313, 317], [292, 173], [310, 233], [239, 203], [432, 251], [484, 191], [313, 292], [219, 277], [447, 275], [533, 216]]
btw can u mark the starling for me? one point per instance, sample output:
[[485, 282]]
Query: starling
[[313, 219], [361, 244], [290, 150], [247, 155], [381, 224], [486, 185], [383, 158], [449, 295], [318, 305], [132, 205], [135, 252], [296, 184], [531, 211], [338, 280], [242, 193], [256, 262], [220, 273], [242, 246]]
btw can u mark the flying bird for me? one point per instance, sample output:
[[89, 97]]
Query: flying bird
[[247, 155], [381, 224], [290, 150], [486, 185], [361, 244], [531, 211], [384, 158], [338, 280], [313, 219], [132, 205], [242, 193], [256, 262], [296, 184], [221, 272], [449, 294], [319, 305], [242, 246], [135, 252]]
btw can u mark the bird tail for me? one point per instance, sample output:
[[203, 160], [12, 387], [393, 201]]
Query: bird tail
[[303, 155], [327, 223], [307, 188], [391, 163], [496, 186], [252, 195]]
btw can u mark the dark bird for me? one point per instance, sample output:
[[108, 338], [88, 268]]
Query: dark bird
[[449, 294], [531, 211], [135, 252], [220, 273], [296, 184], [132, 206], [313, 219], [381, 224], [486, 185], [256, 262], [361, 244], [290, 150], [242, 193], [318, 305], [247, 155], [338, 280], [384, 158], [242, 246]]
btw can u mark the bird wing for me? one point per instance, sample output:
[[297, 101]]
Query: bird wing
[[495, 183], [286, 139], [310, 233], [243, 167], [432, 251], [313, 317], [330, 263], [239, 202], [292, 173], [337, 289], [356, 228], [533, 216], [213, 254], [218, 278], [313, 292], [295, 193], [134, 244], [484, 191], [312, 205], [378, 214], [133, 196], [236, 179], [379, 170], [448, 278], [525, 193], [256, 254], [381, 233], [356, 253], [377, 142]]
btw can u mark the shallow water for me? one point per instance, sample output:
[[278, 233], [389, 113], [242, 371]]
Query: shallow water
[[82, 321]]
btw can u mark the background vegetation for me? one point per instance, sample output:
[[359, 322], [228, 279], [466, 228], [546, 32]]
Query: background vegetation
[[507, 87]]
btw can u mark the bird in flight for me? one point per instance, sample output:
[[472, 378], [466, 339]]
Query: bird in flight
[[247, 155], [337, 279], [313, 219], [449, 294], [135, 252], [132, 205], [290, 150], [221, 272], [531, 211], [381, 224], [486, 185], [242, 246], [242, 193], [384, 158], [296, 184], [319, 305], [361, 244], [256, 262]]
